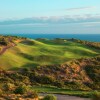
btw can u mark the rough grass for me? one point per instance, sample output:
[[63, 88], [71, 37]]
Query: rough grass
[[32, 53]]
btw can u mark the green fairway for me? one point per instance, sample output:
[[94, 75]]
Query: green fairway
[[31, 53], [45, 89]]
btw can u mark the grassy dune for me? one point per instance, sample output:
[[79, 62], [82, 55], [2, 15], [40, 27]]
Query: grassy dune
[[31, 53]]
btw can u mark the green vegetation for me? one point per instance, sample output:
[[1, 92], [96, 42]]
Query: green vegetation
[[70, 75], [54, 90], [20, 90], [90, 44], [96, 96], [65, 66], [50, 97], [31, 53]]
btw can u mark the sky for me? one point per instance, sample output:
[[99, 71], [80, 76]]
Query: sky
[[50, 16]]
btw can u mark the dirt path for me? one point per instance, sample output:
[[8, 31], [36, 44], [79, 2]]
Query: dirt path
[[66, 97], [6, 47]]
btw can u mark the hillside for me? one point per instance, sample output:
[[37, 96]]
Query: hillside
[[81, 74], [65, 66], [22, 52]]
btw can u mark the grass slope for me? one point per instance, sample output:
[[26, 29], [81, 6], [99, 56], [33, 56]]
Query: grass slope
[[31, 53]]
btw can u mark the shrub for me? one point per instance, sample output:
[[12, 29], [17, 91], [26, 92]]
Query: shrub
[[8, 87], [20, 90], [59, 84], [96, 96], [50, 97], [32, 94]]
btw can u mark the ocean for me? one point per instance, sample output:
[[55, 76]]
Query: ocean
[[87, 37]]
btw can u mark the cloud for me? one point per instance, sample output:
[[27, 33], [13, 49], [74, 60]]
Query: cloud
[[55, 24], [81, 8], [43, 21]]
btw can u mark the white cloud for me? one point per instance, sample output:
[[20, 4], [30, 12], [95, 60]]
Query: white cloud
[[81, 8], [43, 21]]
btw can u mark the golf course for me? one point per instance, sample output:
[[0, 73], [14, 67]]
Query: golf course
[[67, 68]]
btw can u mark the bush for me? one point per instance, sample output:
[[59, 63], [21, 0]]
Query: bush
[[50, 97], [8, 87], [20, 90], [32, 94], [96, 96], [59, 84]]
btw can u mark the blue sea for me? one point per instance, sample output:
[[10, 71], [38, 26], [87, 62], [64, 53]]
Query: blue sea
[[87, 37]]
